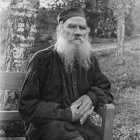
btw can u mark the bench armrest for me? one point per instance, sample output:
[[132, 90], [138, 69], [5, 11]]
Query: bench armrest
[[107, 114]]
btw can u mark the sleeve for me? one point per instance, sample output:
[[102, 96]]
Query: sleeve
[[32, 108], [100, 92]]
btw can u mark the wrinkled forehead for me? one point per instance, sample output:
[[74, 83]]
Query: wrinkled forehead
[[76, 20]]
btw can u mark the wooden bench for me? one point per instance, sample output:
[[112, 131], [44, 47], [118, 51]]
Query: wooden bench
[[14, 81]]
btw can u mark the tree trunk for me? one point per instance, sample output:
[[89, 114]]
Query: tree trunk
[[120, 36], [21, 36]]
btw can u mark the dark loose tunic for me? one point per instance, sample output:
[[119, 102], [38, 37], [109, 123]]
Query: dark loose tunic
[[49, 90]]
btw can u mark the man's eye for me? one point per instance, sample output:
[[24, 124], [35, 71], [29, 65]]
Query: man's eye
[[82, 27], [72, 26]]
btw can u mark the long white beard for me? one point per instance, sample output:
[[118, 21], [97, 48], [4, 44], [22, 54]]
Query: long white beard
[[71, 51]]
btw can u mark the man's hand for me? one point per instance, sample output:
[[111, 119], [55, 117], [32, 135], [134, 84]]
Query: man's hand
[[86, 104], [86, 115], [84, 108], [74, 109]]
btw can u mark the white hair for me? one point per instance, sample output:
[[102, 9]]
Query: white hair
[[71, 52]]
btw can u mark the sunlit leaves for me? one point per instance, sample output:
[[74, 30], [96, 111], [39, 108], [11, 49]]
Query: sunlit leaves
[[120, 6]]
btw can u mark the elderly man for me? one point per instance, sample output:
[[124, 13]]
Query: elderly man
[[64, 85]]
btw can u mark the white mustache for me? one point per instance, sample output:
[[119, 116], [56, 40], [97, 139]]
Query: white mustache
[[80, 38]]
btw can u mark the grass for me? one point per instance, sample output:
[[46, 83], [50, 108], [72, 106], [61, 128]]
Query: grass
[[125, 79]]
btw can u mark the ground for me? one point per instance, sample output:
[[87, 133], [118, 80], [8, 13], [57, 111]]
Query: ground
[[125, 79]]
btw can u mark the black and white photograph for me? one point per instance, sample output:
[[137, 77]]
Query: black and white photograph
[[69, 69]]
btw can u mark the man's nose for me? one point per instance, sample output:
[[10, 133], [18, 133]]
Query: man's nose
[[77, 32]]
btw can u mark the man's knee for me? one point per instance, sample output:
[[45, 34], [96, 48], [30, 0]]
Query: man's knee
[[57, 130]]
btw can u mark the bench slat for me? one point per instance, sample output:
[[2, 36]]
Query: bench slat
[[10, 115], [12, 138], [11, 80]]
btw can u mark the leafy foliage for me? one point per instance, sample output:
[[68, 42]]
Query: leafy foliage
[[124, 6], [120, 6], [136, 16]]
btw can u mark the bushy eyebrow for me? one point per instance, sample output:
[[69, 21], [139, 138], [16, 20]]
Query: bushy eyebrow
[[72, 25]]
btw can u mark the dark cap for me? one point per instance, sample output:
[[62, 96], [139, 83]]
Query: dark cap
[[73, 12]]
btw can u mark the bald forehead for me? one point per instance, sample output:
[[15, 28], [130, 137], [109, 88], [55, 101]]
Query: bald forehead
[[76, 20]]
